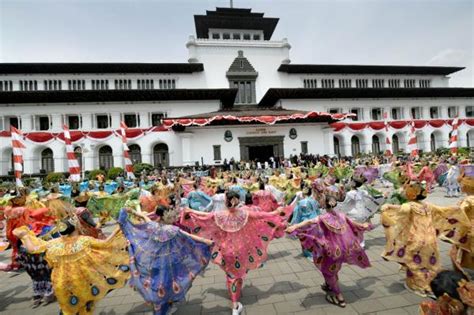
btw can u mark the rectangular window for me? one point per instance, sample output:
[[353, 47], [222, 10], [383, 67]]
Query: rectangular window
[[310, 83], [397, 113], [6, 85], [409, 83], [415, 112], [452, 111], [394, 83], [157, 119], [247, 37], [304, 147], [327, 83], [131, 120], [102, 121], [256, 36], [43, 123], [14, 122], [434, 112], [226, 36], [52, 85], [345, 83], [335, 110], [73, 121], [236, 36], [100, 84], [217, 152], [378, 83], [425, 83], [216, 35], [376, 113], [362, 83], [358, 113], [469, 111], [28, 85], [245, 93]]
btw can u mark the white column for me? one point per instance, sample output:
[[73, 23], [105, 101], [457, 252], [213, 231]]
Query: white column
[[56, 122], [346, 146], [26, 122], [186, 147], [29, 161], [116, 118], [86, 121], [144, 120], [328, 140]]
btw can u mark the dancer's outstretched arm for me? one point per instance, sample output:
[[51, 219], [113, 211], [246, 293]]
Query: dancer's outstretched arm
[[294, 227], [198, 239]]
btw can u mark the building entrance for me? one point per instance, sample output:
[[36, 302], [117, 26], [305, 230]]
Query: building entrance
[[260, 148]]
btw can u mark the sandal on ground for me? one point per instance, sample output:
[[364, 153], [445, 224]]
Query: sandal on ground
[[332, 299]]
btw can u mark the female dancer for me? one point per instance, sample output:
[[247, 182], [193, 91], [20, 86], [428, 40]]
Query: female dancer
[[84, 269], [264, 199], [241, 239], [412, 230], [164, 260], [333, 239]]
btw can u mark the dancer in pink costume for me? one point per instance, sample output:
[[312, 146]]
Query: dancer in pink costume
[[241, 238], [264, 199], [427, 175], [333, 239]]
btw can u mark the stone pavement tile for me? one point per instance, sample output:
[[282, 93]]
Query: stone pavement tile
[[188, 309], [399, 311], [260, 309], [260, 281], [314, 301], [394, 301], [366, 306], [249, 299], [215, 306], [289, 307], [412, 310], [295, 294], [270, 298], [413, 298], [114, 309], [140, 308], [335, 310]]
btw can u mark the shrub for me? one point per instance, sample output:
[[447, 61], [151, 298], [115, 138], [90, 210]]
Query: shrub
[[54, 177], [114, 172], [139, 167], [93, 174]]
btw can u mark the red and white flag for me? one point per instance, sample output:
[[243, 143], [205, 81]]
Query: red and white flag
[[17, 146], [388, 152], [126, 155], [73, 165], [453, 141], [412, 146]]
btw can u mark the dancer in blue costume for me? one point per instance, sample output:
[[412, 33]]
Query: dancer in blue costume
[[198, 200], [164, 260], [306, 209]]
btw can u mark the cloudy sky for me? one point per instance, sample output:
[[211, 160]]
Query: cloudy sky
[[400, 32]]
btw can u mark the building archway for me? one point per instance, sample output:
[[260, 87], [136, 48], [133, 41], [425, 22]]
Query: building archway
[[395, 144], [106, 158], [47, 160], [337, 146], [135, 153], [470, 138], [355, 146], [375, 144], [161, 155], [436, 140]]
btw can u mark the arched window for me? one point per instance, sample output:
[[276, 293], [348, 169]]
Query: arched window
[[395, 144], [375, 144], [106, 159], [337, 147], [135, 153], [47, 160], [433, 142], [160, 155], [355, 145]]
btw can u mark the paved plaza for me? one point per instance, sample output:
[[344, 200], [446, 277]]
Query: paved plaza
[[287, 284]]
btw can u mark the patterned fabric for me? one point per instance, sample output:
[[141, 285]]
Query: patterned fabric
[[265, 200], [198, 200], [411, 232], [241, 237], [40, 273], [84, 269], [163, 261], [107, 205], [359, 205], [462, 254], [333, 239], [305, 209], [441, 169]]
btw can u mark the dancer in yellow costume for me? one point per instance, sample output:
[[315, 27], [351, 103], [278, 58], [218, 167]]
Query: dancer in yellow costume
[[463, 254], [85, 269], [412, 230]]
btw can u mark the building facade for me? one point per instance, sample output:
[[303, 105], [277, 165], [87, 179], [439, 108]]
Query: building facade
[[238, 96]]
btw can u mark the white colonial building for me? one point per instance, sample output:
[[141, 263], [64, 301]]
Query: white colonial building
[[238, 96]]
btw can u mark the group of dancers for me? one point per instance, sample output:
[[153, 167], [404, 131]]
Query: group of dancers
[[169, 230]]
